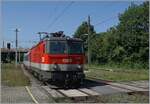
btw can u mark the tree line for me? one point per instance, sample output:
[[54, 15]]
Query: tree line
[[125, 43]]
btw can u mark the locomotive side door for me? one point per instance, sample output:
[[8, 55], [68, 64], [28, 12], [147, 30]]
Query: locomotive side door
[[42, 58], [29, 58], [41, 48]]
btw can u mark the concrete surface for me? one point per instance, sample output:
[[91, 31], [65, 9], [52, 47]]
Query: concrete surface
[[73, 93]]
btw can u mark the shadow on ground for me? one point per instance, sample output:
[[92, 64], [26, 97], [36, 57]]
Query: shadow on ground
[[91, 83], [87, 83]]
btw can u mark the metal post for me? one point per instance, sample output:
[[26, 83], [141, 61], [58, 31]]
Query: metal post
[[3, 44], [8, 47], [89, 55], [16, 44], [39, 35], [19, 55]]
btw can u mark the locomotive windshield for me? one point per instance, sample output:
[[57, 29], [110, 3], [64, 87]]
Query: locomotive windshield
[[58, 47], [75, 47], [64, 47]]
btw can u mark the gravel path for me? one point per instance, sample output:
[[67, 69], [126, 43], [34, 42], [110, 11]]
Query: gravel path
[[33, 80]]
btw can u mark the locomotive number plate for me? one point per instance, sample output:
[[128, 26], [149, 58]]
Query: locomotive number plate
[[67, 60]]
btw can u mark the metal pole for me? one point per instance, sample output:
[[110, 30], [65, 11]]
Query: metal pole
[[89, 55], [39, 35], [19, 55], [3, 44], [16, 44]]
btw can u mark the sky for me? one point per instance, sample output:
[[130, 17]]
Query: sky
[[39, 16]]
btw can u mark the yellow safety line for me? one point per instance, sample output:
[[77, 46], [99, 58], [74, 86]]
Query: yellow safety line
[[33, 98]]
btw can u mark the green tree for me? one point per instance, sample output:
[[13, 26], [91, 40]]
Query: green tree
[[128, 42], [133, 30], [99, 48], [82, 30]]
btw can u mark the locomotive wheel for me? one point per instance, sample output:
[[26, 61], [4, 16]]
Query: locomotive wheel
[[35, 74], [66, 85], [76, 84], [81, 81]]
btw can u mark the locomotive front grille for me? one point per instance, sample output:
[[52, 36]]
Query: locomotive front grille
[[67, 67], [68, 75]]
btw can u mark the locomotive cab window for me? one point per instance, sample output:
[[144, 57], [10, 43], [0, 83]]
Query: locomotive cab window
[[64, 47], [75, 47], [57, 47]]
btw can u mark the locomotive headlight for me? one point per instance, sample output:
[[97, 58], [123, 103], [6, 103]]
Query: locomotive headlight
[[54, 66], [43, 59], [79, 66]]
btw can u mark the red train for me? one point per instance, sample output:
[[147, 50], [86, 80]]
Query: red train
[[57, 58]]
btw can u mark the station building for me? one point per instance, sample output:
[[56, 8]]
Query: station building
[[8, 55]]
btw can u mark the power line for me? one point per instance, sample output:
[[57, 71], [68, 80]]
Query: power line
[[28, 41], [54, 12], [105, 20], [61, 14]]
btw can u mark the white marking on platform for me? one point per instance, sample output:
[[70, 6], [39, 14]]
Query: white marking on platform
[[73, 93], [90, 92], [33, 98], [52, 92]]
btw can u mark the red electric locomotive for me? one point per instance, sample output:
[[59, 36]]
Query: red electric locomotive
[[57, 58]]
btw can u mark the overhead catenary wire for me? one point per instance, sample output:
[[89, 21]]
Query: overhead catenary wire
[[60, 15], [105, 20], [54, 12], [21, 41]]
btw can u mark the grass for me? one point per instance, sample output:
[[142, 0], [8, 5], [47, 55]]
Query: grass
[[120, 66], [12, 76], [117, 74]]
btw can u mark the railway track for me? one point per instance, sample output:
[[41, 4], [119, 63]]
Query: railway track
[[131, 87], [61, 95], [78, 94], [86, 93], [57, 92]]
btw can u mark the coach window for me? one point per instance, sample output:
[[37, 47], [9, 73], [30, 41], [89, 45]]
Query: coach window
[[26, 58]]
